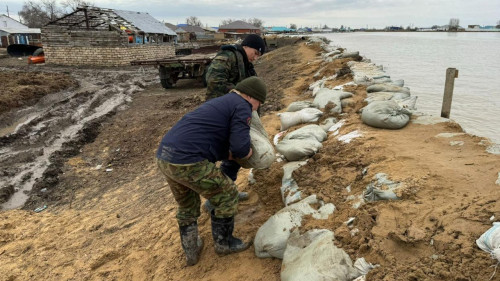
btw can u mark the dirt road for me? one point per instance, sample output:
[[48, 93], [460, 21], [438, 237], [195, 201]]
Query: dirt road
[[110, 214]]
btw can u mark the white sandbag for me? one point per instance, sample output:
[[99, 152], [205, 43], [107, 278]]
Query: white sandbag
[[364, 267], [385, 115], [306, 132], [306, 115], [263, 150], [399, 82], [315, 84], [378, 96], [399, 96], [271, 238], [407, 103], [325, 96], [386, 88], [299, 105], [298, 149], [367, 73], [349, 55], [490, 241], [290, 192], [381, 188], [328, 123], [313, 257]]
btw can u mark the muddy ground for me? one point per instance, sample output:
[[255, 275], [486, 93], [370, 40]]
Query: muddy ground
[[88, 151]]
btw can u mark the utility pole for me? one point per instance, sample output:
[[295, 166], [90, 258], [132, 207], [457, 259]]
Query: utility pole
[[451, 74], [8, 11]]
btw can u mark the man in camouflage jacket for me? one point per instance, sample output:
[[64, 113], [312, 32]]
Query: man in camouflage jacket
[[232, 65]]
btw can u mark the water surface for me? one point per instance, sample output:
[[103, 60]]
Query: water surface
[[421, 60]]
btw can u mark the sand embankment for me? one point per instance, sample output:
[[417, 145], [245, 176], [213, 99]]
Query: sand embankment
[[111, 215]]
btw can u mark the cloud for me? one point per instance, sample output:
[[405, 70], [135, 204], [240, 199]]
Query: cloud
[[354, 13]]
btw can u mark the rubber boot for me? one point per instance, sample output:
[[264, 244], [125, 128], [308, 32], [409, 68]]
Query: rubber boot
[[224, 241], [208, 207], [191, 243]]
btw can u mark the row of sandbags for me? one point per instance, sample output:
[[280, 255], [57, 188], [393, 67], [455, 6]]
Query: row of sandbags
[[390, 104], [311, 255]]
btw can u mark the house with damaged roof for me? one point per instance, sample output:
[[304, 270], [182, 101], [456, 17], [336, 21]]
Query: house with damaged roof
[[106, 37]]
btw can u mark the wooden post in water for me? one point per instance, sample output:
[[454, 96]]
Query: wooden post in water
[[451, 74]]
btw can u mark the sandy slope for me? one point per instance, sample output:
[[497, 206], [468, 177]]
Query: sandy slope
[[120, 225]]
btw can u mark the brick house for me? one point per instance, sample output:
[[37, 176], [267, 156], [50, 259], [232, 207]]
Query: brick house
[[239, 27], [106, 37]]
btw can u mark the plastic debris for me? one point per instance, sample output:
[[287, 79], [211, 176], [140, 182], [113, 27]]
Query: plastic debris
[[39, 209], [349, 137]]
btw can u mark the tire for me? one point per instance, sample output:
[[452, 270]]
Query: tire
[[166, 83]]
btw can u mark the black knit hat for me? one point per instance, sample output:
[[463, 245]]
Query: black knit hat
[[256, 42], [253, 86]]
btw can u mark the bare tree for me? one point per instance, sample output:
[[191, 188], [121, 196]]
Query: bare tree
[[255, 22], [498, 24], [226, 22], [293, 26], [72, 5], [193, 21], [454, 24], [35, 14]]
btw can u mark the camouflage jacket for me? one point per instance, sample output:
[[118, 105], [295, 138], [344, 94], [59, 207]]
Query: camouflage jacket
[[230, 66]]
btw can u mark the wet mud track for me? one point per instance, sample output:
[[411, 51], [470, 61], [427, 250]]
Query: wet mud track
[[34, 141]]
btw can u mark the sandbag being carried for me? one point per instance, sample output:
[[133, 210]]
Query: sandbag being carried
[[306, 115], [385, 115], [313, 257], [270, 240], [263, 151]]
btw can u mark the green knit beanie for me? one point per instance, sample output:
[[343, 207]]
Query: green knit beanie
[[254, 87]]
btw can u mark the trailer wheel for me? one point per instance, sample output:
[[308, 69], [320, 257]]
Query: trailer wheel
[[166, 83]]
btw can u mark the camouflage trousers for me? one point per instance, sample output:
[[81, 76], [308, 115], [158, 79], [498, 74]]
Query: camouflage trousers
[[188, 181]]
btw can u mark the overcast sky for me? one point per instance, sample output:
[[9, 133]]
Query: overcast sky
[[311, 13]]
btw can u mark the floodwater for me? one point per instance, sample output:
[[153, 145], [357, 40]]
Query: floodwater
[[421, 60]]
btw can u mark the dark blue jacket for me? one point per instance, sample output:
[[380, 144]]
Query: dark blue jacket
[[209, 132]]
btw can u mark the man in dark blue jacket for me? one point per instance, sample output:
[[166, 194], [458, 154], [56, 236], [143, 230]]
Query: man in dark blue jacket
[[217, 130], [231, 65]]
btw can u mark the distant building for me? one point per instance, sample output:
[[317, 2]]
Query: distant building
[[279, 29], [14, 32], [394, 28], [188, 32], [239, 27], [304, 30], [99, 36]]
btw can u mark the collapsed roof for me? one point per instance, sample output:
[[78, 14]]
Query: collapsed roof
[[94, 18]]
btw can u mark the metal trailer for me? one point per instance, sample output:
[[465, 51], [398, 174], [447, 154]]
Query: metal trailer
[[180, 67]]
